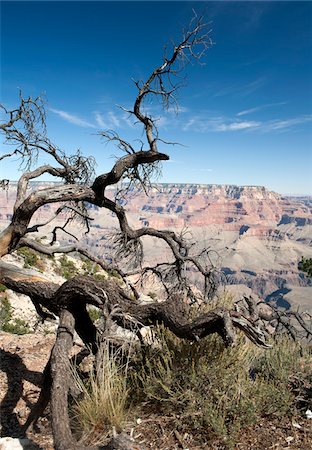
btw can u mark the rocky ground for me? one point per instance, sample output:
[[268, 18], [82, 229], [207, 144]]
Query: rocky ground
[[22, 360]]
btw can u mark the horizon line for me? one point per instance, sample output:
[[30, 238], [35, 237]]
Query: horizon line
[[186, 184]]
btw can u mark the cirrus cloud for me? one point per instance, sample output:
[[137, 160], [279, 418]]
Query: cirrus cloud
[[227, 124], [73, 119]]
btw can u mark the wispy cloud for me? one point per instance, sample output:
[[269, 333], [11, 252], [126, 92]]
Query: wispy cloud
[[218, 124], [228, 124], [242, 90], [126, 118], [252, 87], [237, 126], [189, 124], [71, 118], [100, 121], [114, 119], [259, 108], [120, 119], [287, 124], [178, 110]]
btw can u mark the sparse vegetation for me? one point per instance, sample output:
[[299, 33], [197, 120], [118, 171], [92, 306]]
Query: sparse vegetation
[[100, 276], [306, 266], [209, 388], [11, 324], [114, 273], [94, 313], [29, 255], [5, 311], [89, 267], [206, 389], [105, 397], [66, 268], [32, 259]]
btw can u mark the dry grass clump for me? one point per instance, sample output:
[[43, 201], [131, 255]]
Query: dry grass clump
[[104, 397]]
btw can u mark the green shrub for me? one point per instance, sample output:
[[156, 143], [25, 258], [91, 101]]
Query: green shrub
[[306, 266], [6, 311], [8, 323], [207, 390], [215, 389], [89, 267], [2, 287], [31, 258], [280, 362], [100, 276], [94, 313], [17, 326], [114, 273], [66, 268]]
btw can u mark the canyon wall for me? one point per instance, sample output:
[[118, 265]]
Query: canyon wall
[[258, 235]]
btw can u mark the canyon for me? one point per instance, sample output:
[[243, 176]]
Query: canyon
[[256, 237]]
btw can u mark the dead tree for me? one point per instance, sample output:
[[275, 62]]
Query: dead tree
[[25, 131]]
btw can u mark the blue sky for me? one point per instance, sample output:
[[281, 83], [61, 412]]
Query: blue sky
[[245, 116]]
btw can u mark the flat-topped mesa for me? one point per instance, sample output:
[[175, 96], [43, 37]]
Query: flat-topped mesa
[[230, 191], [175, 205]]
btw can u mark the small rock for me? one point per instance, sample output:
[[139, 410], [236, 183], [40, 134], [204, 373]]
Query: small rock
[[308, 414], [9, 443], [289, 439]]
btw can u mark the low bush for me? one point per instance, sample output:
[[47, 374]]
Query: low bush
[[31, 258], [8, 323], [94, 313], [306, 266], [209, 388], [89, 267], [66, 268]]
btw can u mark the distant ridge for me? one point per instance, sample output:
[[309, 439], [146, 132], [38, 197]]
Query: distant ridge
[[209, 186], [258, 235]]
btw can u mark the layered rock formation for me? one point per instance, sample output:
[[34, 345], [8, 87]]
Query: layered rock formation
[[259, 235], [231, 206]]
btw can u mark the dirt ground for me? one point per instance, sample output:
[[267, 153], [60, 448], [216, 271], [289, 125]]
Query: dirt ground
[[22, 360]]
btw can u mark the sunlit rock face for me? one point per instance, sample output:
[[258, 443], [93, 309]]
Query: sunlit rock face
[[227, 205], [259, 235]]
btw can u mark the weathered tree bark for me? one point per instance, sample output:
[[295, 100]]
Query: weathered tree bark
[[77, 292], [60, 371], [61, 376]]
